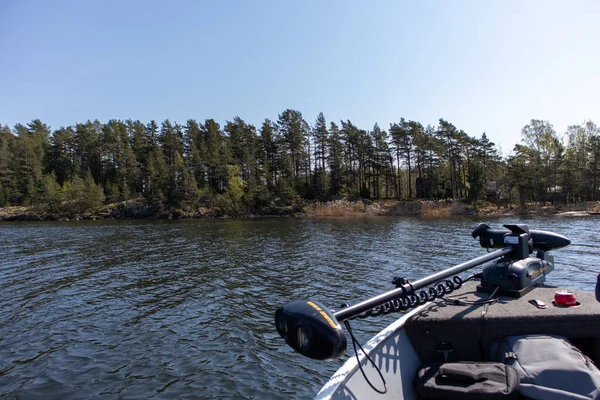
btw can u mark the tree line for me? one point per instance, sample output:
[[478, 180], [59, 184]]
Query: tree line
[[241, 168]]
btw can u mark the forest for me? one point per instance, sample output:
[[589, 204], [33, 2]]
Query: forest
[[239, 168]]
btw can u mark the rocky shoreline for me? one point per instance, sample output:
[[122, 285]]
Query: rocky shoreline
[[337, 208]]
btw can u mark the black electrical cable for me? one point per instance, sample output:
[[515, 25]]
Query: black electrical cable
[[354, 343], [492, 299], [482, 321], [476, 275], [460, 302]]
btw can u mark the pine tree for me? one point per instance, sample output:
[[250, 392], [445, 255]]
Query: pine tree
[[157, 179], [28, 151], [321, 140], [93, 195], [7, 143], [336, 166], [216, 155], [87, 150], [268, 150], [51, 196], [182, 187], [293, 132], [195, 152]]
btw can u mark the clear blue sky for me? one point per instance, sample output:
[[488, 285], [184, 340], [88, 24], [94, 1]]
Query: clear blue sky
[[483, 65]]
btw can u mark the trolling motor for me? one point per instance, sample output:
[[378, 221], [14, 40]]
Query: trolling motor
[[313, 330], [516, 274]]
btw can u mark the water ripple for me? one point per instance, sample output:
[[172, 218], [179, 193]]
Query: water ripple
[[184, 309]]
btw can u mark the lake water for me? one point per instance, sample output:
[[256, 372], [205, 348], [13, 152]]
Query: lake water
[[184, 309]]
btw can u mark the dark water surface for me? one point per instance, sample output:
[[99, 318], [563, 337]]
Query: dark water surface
[[184, 309]]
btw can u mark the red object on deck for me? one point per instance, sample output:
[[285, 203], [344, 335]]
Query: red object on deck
[[565, 298]]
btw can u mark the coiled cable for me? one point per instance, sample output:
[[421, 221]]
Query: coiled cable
[[415, 298]]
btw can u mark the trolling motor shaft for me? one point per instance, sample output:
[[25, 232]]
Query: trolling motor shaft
[[313, 330], [410, 288]]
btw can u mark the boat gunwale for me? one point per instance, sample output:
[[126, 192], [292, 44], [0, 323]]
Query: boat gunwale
[[350, 366]]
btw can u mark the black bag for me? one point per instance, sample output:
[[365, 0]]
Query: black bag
[[467, 380]]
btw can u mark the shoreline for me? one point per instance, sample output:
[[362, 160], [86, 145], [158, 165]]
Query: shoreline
[[338, 208]]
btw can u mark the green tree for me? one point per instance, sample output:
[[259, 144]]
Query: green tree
[[73, 191], [86, 149], [292, 130], [383, 169], [51, 197], [231, 201], [62, 155], [547, 151], [594, 160], [140, 147], [350, 134], [427, 155], [80, 195], [27, 166], [171, 141], [491, 167], [244, 147], [267, 154], [448, 137], [336, 155], [521, 167], [182, 187], [403, 135], [93, 195], [579, 178], [216, 155], [195, 152], [321, 149], [7, 143], [157, 179]]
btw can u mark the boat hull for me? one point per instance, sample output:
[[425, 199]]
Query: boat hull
[[470, 330], [394, 355]]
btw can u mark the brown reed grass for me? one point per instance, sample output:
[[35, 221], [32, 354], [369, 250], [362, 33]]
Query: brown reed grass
[[420, 208]]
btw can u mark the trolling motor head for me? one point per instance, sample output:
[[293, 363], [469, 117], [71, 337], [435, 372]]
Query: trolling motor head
[[311, 329], [516, 273], [518, 235]]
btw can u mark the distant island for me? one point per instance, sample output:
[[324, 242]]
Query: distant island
[[128, 169]]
